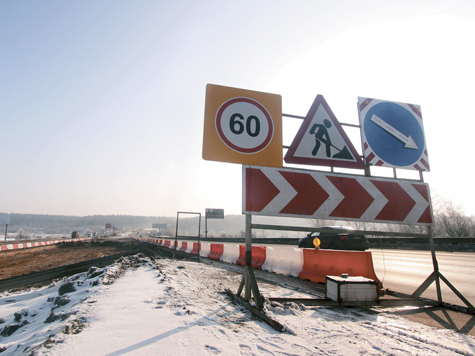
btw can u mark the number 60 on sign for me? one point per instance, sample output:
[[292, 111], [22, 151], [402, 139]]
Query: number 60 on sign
[[242, 126]]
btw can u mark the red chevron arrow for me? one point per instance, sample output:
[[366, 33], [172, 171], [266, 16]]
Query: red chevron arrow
[[362, 196], [399, 202], [310, 195], [356, 199], [259, 190]]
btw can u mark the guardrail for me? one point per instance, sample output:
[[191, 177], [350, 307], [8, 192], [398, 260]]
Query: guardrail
[[403, 243], [416, 243]]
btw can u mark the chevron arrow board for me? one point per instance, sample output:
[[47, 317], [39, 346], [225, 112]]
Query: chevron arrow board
[[319, 195]]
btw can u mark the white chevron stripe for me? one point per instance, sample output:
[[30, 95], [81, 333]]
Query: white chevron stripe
[[379, 200], [335, 197], [287, 192], [421, 204]]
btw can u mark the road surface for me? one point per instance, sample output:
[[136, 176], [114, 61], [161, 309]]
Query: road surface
[[405, 270]]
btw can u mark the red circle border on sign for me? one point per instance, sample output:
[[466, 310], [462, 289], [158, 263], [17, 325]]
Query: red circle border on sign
[[228, 143]]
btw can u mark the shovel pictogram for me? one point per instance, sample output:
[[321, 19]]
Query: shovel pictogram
[[322, 136]]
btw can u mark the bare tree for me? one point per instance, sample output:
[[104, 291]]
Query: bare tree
[[451, 221]]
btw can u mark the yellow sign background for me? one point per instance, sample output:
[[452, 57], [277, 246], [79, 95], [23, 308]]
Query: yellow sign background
[[214, 149]]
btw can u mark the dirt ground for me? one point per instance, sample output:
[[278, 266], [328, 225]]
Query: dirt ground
[[19, 262]]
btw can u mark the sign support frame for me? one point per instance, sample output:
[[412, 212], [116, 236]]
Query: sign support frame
[[435, 276], [176, 232], [248, 280]]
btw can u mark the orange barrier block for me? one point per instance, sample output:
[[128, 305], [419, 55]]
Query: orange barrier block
[[167, 243], [183, 246], [258, 256], [320, 263], [216, 251], [195, 248], [242, 256]]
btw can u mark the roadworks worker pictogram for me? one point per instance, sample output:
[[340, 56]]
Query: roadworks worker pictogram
[[321, 136], [322, 141]]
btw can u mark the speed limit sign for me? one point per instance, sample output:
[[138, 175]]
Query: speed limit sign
[[242, 126]]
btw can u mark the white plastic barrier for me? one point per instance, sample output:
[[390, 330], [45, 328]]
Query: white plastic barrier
[[283, 260], [189, 246], [205, 249], [230, 253]]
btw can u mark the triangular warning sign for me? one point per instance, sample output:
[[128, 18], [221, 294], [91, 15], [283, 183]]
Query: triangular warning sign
[[321, 141]]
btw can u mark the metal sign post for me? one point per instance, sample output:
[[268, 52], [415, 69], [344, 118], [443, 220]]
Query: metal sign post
[[159, 226], [176, 232], [5, 220], [248, 281], [437, 276]]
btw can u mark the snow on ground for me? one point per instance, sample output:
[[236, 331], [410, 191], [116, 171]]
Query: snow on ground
[[165, 307]]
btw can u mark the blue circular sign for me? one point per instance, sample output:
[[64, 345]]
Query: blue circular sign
[[394, 134]]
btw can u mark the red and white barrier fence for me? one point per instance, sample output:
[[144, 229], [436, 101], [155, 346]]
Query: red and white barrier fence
[[304, 263], [18, 246]]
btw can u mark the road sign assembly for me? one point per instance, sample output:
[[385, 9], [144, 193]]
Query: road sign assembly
[[321, 195], [322, 141], [242, 126], [392, 134]]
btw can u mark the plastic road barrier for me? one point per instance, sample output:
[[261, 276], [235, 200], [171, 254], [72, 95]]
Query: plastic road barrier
[[230, 253], [310, 264], [184, 245], [283, 260], [195, 248], [258, 256], [216, 251], [205, 249], [190, 246], [18, 246], [320, 263]]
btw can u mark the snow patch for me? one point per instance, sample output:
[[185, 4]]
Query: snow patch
[[142, 307]]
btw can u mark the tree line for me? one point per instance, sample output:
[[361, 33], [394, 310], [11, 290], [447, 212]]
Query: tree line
[[64, 224], [449, 221]]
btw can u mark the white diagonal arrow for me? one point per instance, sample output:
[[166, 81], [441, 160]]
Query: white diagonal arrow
[[407, 140]]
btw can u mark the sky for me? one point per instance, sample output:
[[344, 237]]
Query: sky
[[102, 103]]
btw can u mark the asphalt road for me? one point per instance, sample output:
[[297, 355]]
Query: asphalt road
[[404, 271]]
